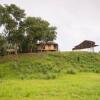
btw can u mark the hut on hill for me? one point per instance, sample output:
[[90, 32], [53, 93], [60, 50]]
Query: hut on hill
[[85, 44], [48, 46]]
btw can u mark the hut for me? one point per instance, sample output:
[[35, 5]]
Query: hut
[[47, 46], [85, 44]]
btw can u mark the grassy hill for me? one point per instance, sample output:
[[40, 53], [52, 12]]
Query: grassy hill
[[25, 76], [48, 65]]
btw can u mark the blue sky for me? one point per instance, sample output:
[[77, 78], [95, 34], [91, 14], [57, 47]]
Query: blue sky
[[76, 20]]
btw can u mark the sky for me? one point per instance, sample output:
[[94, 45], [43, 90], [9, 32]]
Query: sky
[[76, 20]]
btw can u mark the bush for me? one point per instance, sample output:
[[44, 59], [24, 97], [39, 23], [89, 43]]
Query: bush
[[2, 52], [97, 70], [51, 76], [71, 71]]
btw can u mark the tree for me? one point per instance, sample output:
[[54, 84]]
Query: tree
[[38, 29], [2, 45], [12, 19]]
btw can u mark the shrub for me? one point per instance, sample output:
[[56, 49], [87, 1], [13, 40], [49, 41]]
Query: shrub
[[97, 70], [27, 94], [3, 52], [51, 76], [71, 71]]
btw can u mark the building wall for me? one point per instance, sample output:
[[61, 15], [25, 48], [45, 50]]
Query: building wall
[[47, 47]]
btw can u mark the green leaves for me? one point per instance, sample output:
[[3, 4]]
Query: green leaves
[[38, 29], [15, 11]]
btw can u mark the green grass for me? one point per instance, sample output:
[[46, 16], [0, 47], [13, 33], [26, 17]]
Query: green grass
[[81, 86], [50, 76]]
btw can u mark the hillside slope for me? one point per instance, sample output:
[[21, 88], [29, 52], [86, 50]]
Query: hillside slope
[[47, 65]]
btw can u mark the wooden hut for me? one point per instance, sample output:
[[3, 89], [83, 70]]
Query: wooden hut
[[48, 46]]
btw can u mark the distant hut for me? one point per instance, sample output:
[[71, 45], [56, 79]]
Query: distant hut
[[48, 46], [85, 44]]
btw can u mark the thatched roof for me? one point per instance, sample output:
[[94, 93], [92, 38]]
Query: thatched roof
[[85, 44]]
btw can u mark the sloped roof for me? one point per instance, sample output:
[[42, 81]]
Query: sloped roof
[[85, 44], [49, 42]]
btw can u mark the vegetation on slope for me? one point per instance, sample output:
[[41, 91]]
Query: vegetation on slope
[[48, 65]]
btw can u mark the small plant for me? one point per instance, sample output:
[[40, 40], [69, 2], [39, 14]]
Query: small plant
[[51, 76], [27, 94], [71, 71]]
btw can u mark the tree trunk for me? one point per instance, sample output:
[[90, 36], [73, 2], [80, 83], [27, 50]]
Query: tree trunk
[[31, 48], [42, 46], [16, 46]]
